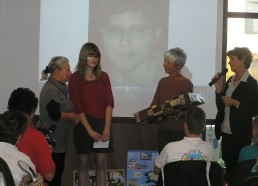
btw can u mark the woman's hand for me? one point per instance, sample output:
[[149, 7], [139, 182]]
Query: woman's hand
[[95, 135], [228, 101], [75, 118], [105, 135], [218, 84]]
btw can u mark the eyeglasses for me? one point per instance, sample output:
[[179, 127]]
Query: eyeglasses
[[136, 31], [91, 56]]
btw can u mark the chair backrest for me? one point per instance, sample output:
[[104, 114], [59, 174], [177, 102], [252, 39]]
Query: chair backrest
[[240, 173], [7, 175], [194, 172], [216, 174], [252, 179]]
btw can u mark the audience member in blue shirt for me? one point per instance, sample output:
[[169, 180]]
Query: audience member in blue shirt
[[251, 151]]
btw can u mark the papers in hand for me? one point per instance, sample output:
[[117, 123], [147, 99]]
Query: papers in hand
[[101, 144]]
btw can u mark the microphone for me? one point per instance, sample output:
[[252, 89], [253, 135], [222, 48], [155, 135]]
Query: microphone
[[222, 73]]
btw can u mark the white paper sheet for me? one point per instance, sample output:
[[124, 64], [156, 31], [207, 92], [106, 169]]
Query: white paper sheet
[[101, 144]]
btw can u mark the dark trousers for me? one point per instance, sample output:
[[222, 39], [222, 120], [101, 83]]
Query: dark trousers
[[59, 159], [231, 146]]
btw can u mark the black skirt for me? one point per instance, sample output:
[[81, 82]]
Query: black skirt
[[83, 142]]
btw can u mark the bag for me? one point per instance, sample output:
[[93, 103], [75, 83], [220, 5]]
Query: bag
[[26, 181]]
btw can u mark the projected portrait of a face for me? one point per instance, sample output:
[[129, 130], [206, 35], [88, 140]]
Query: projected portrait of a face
[[132, 36]]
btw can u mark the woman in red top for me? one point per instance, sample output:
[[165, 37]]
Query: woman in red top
[[32, 143], [90, 91]]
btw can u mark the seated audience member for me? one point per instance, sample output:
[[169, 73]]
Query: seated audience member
[[251, 151], [33, 143], [12, 126], [192, 147]]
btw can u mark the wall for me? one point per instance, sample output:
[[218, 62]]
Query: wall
[[196, 26]]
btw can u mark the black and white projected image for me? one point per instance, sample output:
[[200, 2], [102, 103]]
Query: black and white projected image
[[132, 36]]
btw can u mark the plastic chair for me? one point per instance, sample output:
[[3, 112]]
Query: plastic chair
[[194, 172], [240, 173], [7, 175], [252, 179]]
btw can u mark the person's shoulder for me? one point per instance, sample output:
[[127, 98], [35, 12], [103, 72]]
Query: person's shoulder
[[244, 152], [188, 80], [75, 77], [252, 80], [104, 74], [207, 146], [22, 156], [174, 144], [76, 73], [164, 79], [185, 79], [249, 148], [50, 86], [34, 133], [47, 87], [48, 91]]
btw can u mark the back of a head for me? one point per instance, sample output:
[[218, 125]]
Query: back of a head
[[12, 126], [195, 119], [55, 63], [24, 100]]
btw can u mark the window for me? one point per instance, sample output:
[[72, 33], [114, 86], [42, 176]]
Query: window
[[241, 30]]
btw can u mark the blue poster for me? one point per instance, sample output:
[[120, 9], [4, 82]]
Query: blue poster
[[140, 166]]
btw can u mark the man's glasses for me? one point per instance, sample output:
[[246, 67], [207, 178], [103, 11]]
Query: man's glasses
[[136, 31]]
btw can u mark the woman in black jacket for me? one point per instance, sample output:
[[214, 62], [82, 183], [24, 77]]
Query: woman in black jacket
[[236, 102]]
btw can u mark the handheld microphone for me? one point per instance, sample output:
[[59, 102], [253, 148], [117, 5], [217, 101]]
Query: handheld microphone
[[222, 73]]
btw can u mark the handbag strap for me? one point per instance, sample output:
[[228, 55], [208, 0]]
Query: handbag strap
[[208, 165]]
